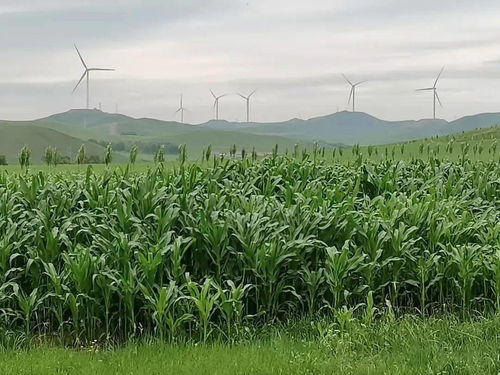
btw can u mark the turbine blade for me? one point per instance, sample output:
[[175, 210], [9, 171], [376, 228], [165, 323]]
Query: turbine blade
[[350, 95], [221, 96], [359, 83], [81, 58], [80, 81], [439, 75], [426, 89], [253, 92], [102, 69], [347, 79], [437, 97], [213, 94], [244, 97], [176, 112]]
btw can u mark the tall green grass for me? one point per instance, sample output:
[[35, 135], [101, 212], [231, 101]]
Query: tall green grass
[[408, 346]]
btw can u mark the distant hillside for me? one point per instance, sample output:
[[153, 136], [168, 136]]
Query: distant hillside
[[14, 136], [338, 128], [221, 141], [357, 127], [71, 128], [117, 128], [98, 124], [491, 134]]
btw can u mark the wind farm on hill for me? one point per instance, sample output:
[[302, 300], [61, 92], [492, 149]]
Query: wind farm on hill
[[283, 187], [181, 109], [95, 129]]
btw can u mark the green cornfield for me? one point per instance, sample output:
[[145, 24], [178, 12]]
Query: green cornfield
[[206, 251]]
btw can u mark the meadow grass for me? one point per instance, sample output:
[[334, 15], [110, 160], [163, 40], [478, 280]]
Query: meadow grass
[[406, 346]]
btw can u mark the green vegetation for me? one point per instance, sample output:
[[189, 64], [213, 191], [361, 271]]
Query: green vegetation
[[37, 139], [481, 144], [352, 128], [200, 253], [408, 346], [25, 157], [377, 259], [149, 136], [67, 131]]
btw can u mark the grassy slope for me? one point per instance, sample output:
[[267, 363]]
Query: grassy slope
[[409, 346], [485, 137], [221, 141], [68, 138], [342, 127], [14, 137], [196, 141], [109, 127], [358, 127], [480, 137]]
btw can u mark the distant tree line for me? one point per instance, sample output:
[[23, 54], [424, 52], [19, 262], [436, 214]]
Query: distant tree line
[[3, 160], [145, 147]]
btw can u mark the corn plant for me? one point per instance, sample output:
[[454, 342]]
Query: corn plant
[[133, 154], [81, 156], [25, 157], [198, 252]]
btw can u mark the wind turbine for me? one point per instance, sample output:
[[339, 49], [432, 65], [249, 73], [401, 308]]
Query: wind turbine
[[86, 74], [181, 110], [352, 94], [216, 103], [247, 98], [434, 89]]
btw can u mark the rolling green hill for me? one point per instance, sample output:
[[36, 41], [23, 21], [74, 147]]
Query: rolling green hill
[[221, 141], [479, 144], [67, 131], [94, 124], [14, 136], [361, 128], [338, 128]]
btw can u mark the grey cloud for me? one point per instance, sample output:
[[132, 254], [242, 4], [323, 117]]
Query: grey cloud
[[99, 22], [292, 51]]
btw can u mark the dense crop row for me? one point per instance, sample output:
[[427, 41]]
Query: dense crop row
[[197, 250]]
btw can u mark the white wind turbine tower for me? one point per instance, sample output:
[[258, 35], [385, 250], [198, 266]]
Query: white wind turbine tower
[[86, 74], [352, 93], [247, 99], [181, 110], [434, 90], [216, 103]]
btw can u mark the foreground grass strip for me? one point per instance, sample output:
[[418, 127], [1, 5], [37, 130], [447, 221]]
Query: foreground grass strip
[[408, 346]]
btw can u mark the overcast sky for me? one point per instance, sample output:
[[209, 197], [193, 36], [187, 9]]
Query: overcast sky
[[292, 51]]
